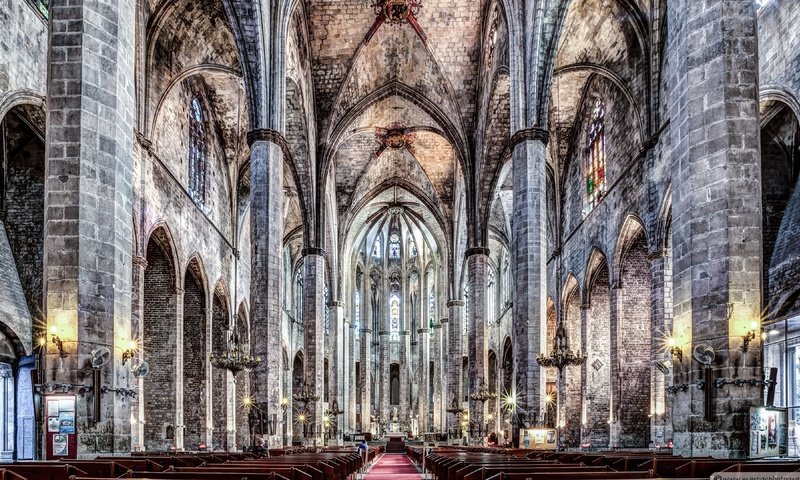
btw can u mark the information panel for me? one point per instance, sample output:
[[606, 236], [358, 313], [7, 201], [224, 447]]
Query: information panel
[[62, 438], [769, 434], [539, 438]]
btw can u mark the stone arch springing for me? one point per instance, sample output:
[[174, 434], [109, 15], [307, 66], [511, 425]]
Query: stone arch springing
[[194, 355], [634, 328], [159, 326], [598, 343], [220, 319]]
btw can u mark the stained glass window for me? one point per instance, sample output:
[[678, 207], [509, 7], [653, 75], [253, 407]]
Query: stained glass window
[[413, 252], [326, 311], [376, 248], [197, 151], [43, 6], [595, 167], [394, 246], [491, 293], [394, 316], [357, 311], [431, 308]]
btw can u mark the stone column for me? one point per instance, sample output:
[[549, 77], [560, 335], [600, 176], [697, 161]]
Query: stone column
[[340, 363], [137, 331], [716, 222], [405, 380], [313, 307], [88, 207], [266, 238], [528, 245], [383, 379], [436, 355], [477, 272], [353, 356], [454, 352], [617, 380], [661, 314], [424, 379], [179, 426], [366, 368]]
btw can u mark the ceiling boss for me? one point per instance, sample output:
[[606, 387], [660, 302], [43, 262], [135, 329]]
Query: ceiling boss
[[396, 12]]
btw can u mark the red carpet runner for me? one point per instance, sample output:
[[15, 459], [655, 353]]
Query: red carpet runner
[[394, 467]]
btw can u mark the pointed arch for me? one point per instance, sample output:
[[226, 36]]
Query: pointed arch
[[632, 228], [597, 260]]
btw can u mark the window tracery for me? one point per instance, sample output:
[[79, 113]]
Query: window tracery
[[595, 166], [394, 316], [197, 151], [490, 297]]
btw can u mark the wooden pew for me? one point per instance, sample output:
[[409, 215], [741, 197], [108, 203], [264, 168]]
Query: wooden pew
[[6, 474], [44, 471]]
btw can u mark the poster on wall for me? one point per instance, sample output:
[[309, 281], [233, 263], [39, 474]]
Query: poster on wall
[[768, 432], [60, 446], [62, 441], [539, 438]]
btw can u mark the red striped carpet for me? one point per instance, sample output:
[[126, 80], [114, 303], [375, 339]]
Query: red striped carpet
[[394, 467]]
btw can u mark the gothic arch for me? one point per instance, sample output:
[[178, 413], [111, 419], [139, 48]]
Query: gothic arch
[[632, 227]]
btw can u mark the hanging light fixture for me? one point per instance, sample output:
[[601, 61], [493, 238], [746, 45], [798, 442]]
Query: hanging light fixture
[[561, 355], [306, 394], [234, 359], [482, 394]]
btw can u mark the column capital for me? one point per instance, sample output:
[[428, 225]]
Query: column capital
[[528, 134], [657, 254], [312, 251], [444, 320], [266, 135], [179, 291], [336, 303], [476, 251], [455, 303], [422, 330], [140, 261]]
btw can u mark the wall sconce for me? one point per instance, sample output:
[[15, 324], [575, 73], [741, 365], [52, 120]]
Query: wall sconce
[[130, 352], [749, 336], [675, 350], [284, 403], [55, 339]]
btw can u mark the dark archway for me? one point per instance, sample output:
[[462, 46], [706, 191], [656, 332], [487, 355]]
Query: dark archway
[[634, 336], [598, 365], [219, 379], [194, 357], [159, 343], [394, 382]]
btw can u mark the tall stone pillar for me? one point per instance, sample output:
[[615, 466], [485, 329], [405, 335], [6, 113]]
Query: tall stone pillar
[[88, 207], [180, 427], [455, 355], [528, 245], [716, 219], [383, 379], [436, 394], [661, 314], [353, 400], [266, 238], [365, 365], [477, 274], [424, 379], [313, 307], [617, 380], [137, 331], [405, 380], [341, 363]]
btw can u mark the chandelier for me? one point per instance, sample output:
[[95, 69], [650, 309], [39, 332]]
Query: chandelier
[[482, 394], [455, 407], [306, 394], [561, 355], [234, 359], [334, 411]]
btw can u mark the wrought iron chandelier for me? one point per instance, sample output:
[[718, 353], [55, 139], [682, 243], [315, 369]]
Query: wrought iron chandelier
[[235, 359], [334, 411], [306, 394], [482, 394], [455, 407], [561, 355]]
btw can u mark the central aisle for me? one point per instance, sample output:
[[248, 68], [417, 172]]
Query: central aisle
[[394, 467]]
